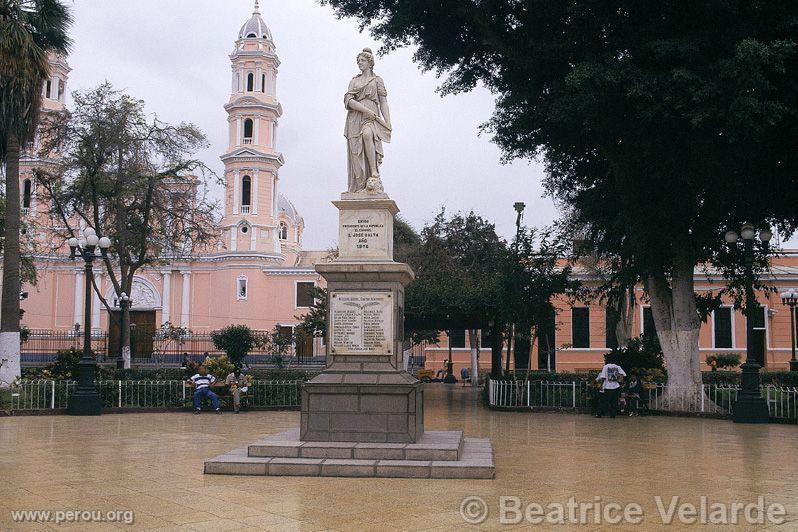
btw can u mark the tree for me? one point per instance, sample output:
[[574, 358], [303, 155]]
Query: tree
[[534, 275], [458, 280], [655, 120], [29, 30], [236, 341], [467, 277], [131, 177]]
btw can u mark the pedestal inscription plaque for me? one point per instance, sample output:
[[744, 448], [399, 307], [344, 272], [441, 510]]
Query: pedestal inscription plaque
[[366, 229], [361, 323]]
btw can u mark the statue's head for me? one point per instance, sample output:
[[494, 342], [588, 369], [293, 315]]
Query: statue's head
[[365, 59]]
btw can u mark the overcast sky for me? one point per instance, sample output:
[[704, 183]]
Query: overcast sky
[[173, 54]]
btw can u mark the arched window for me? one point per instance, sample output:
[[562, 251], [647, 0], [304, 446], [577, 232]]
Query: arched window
[[250, 82], [251, 35], [248, 131], [246, 194], [263, 83], [26, 193], [283, 231]]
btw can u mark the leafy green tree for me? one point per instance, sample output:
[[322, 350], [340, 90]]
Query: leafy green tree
[[236, 341], [132, 178], [534, 274], [458, 279], [29, 30], [662, 124]]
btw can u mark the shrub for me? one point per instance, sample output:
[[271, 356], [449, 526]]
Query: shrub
[[724, 360], [65, 365], [642, 354], [236, 341], [720, 377], [220, 367], [780, 378]]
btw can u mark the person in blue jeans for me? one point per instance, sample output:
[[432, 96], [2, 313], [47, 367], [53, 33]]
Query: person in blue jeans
[[203, 382]]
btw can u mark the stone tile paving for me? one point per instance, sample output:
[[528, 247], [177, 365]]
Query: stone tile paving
[[152, 464]]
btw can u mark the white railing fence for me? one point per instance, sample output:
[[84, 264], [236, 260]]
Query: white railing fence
[[54, 394], [718, 399]]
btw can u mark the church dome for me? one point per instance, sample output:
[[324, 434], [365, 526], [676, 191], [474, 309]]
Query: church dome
[[284, 206], [255, 27]]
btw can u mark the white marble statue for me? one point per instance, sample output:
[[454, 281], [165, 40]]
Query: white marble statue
[[368, 125]]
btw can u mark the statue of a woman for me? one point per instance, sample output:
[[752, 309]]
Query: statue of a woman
[[368, 125]]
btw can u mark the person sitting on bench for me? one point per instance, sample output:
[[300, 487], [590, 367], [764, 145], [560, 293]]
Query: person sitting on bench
[[203, 382], [237, 382]]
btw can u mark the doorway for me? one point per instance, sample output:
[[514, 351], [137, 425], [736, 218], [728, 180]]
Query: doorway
[[142, 331]]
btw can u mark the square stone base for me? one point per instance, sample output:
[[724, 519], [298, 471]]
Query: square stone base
[[438, 454], [353, 412]]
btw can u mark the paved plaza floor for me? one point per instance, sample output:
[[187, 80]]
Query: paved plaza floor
[[151, 464]]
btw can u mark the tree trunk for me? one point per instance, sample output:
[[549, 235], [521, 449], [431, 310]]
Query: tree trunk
[[522, 346], [474, 341], [676, 319], [496, 352], [626, 312], [9, 313]]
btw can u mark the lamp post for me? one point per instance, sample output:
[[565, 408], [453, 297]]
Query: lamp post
[[519, 207], [85, 400], [751, 407], [123, 362], [790, 298]]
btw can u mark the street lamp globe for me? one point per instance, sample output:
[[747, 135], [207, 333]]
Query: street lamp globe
[[73, 242], [92, 240], [82, 242], [88, 232], [105, 242], [748, 232], [765, 235], [731, 237]]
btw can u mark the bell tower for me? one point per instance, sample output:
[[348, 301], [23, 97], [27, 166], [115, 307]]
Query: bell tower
[[252, 161]]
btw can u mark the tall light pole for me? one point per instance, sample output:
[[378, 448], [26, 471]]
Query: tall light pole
[[85, 400], [123, 362], [790, 298], [751, 407], [519, 207]]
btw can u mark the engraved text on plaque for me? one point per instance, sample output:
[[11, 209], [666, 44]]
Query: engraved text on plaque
[[361, 323]]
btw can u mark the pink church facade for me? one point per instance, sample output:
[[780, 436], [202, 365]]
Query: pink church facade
[[257, 275]]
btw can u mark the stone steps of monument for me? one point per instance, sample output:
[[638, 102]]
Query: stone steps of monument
[[432, 446], [476, 462]]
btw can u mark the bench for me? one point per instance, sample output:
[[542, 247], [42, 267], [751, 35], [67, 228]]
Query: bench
[[224, 394]]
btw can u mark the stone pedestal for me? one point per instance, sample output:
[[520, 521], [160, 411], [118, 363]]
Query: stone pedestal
[[364, 395]]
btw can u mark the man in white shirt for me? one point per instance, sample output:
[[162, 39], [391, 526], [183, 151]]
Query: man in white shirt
[[611, 377], [203, 383]]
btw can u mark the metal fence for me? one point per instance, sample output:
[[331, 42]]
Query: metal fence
[[715, 399], [41, 345], [29, 395]]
